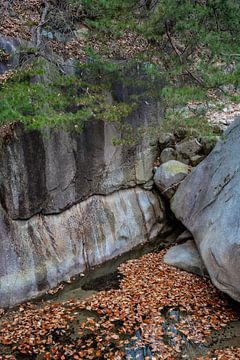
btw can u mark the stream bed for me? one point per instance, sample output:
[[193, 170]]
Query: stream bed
[[132, 307]]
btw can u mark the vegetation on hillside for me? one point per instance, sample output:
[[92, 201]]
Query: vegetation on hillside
[[192, 44]]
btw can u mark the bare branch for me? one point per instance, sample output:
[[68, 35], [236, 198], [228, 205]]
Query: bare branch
[[41, 23], [178, 53]]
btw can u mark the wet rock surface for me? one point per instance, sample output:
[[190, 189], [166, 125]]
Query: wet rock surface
[[207, 203]]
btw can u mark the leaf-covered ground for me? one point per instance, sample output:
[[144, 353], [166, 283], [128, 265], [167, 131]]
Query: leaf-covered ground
[[158, 312]]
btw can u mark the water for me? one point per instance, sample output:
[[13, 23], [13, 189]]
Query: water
[[104, 276]]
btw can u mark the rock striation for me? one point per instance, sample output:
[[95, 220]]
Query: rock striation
[[38, 253], [207, 203]]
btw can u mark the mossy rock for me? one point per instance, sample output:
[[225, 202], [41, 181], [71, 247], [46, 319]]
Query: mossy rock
[[169, 175]]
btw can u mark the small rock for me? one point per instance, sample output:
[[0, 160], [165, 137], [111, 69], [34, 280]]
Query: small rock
[[186, 257], [148, 185], [208, 146], [81, 33], [189, 147], [184, 236], [169, 175], [196, 159], [181, 132], [166, 139], [183, 159], [168, 154]]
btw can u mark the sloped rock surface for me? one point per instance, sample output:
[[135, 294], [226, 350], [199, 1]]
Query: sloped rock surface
[[207, 202]]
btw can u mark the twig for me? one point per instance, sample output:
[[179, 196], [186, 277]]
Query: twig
[[171, 42], [178, 53], [173, 186]]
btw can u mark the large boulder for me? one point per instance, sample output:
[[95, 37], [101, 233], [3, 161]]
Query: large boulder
[[208, 204]]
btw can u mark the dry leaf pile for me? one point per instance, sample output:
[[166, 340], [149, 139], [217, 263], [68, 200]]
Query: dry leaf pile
[[18, 17], [157, 308], [230, 354]]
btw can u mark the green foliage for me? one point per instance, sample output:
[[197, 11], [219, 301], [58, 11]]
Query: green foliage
[[107, 16], [178, 96], [197, 43], [66, 101], [194, 125]]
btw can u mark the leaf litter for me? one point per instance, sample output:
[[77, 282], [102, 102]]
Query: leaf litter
[[156, 312]]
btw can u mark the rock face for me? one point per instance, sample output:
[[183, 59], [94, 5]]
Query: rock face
[[185, 257], [169, 175], [38, 253], [69, 201], [207, 202], [49, 173]]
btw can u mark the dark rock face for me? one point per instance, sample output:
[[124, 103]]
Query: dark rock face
[[207, 202], [49, 173]]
